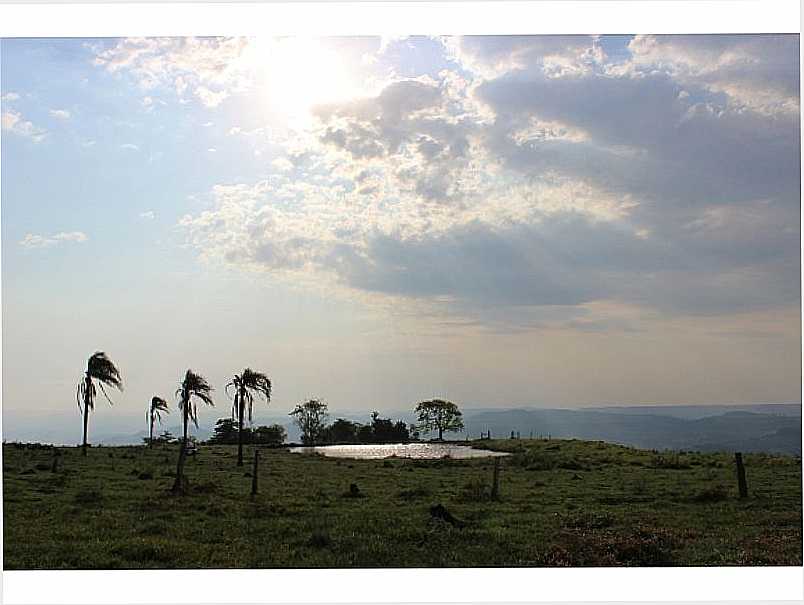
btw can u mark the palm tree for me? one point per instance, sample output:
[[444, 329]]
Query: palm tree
[[193, 385], [102, 371], [158, 405], [245, 386]]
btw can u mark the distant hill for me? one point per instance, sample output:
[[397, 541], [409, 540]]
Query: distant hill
[[732, 430], [772, 428]]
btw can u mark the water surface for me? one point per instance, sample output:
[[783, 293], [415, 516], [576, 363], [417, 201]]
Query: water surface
[[398, 450]]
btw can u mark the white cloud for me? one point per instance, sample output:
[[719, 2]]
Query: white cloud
[[32, 240], [12, 121], [148, 215], [130, 147], [758, 72], [10, 96], [210, 69], [59, 114], [549, 176], [282, 164]]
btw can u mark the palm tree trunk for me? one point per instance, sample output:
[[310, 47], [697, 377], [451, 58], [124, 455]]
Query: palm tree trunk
[[151, 432], [87, 396], [178, 484], [240, 433]]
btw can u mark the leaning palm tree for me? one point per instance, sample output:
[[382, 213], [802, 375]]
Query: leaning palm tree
[[102, 371], [158, 405], [193, 385], [245, 385]]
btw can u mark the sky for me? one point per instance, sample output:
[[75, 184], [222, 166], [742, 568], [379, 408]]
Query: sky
[[503, 221]]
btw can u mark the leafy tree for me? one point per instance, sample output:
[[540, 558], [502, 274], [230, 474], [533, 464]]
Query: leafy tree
[[310, 417], [384, 430], [274, 434], [439, 415], [245, 386], [193, 386], [102, 371], [342, 431], [225, 432], [155, 409], [364, 433]]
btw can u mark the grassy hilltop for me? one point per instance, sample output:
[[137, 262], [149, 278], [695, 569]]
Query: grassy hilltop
[[562, 502]]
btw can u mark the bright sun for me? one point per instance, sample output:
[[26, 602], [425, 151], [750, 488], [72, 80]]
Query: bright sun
[[299, 73]]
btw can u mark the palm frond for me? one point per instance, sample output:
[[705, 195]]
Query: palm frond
[[100, 384], [101, 368]]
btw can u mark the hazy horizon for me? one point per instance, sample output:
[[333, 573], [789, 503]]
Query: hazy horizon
[[567, 220]]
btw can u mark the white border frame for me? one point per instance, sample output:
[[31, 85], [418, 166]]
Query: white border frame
[[388, 18]]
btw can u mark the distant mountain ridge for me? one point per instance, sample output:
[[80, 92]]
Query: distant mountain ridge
[[730, 430], [772, 428]]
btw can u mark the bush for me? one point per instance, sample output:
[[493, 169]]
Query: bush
[[717, 493]]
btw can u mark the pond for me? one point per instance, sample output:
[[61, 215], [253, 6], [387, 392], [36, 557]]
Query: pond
[[420, 451]]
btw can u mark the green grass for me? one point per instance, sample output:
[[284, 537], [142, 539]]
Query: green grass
[[562, 502]]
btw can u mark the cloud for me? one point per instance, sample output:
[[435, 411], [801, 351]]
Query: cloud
[[208, 69], [130, 147], [541, 174], [757, 72], [13, 122], [148, 215], [59, 114], [10, 96], [32, 240]]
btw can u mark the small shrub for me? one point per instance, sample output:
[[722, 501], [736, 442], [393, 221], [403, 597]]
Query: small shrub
[[145, 475], [716, 493]]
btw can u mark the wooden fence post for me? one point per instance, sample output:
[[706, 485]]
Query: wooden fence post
[[741, 483], [254, 471], [495, 484]]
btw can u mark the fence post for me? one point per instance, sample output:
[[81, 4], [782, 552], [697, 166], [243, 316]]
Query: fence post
[[741, 483], [254, 471], [495, 484]]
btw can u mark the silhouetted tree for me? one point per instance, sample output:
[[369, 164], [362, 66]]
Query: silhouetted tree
[[274, 434], [439, 415], [384, 430], [341, 431], [155, 409], [225, 432], [310, 417], [245, 385], [102, 371], [193, 385]]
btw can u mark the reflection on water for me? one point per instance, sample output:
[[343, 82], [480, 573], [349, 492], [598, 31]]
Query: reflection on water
[[399, 450]]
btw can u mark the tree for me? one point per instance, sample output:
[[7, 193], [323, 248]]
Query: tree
[[386, 431], [341, 431], [439, 415], [310, 417], [245, 386], [225, 432], [158, 405], [193, 386], [274, 434], [102, 371]]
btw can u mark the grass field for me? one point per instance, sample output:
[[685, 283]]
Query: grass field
[[561, 503]]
